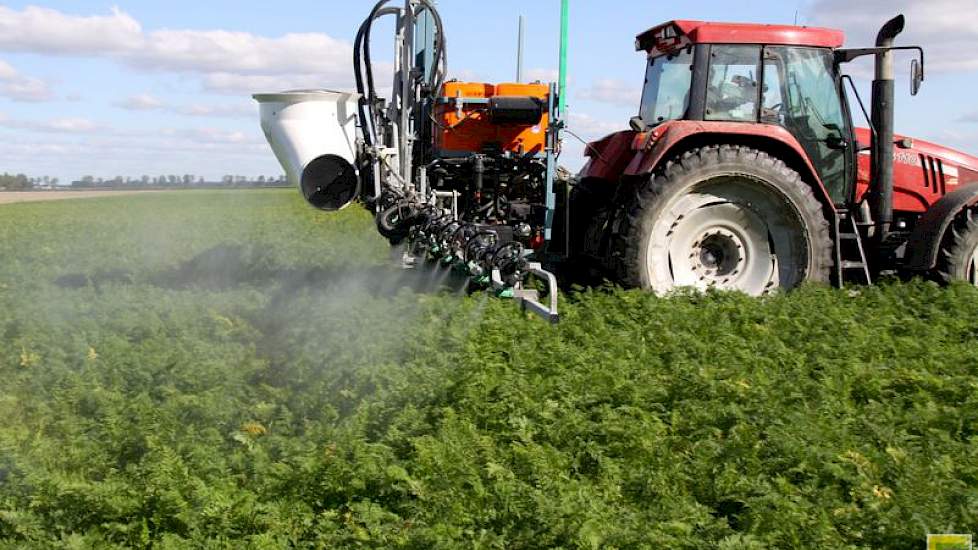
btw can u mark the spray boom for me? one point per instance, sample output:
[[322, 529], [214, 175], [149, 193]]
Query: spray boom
[[459, 174]]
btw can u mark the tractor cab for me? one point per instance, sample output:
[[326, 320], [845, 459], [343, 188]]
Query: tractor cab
[[750, 74]]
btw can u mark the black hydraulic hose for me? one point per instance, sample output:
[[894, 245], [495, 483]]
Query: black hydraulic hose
[[370, 118], [362, 61], [495, 194], [366, 50], [358, 76], [362, 53], [374, 14]]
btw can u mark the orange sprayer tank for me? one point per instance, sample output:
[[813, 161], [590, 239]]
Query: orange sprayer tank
[[464, 126]]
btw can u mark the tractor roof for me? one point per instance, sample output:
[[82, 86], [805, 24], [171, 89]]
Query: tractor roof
[[681, 32]]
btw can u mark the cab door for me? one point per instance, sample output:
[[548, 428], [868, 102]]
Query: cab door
[[802, 92]]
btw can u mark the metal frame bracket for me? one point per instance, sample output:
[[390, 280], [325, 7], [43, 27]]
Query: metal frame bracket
[[530, 299]]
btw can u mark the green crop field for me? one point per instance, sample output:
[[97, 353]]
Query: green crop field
[[236, 370]]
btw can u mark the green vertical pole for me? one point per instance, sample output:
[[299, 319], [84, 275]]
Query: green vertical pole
[[564, 36]]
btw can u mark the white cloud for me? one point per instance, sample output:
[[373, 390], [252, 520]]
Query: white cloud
[[239, 84], [26, 89], [542, 75], [615, 92], [119, 36], [970, 117], [57, 125], [148, 102], [197, 136], [469, 75], [108, 154], [234, 110], [590, 127], [43, 30], [141, 102], [18, 87], [239, 52], [6, 71], [947, 29], [77, 125], [215, 136], [960, 140]]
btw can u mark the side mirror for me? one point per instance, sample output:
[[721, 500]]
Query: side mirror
[[916, 76], [836, 142], [637, 124]]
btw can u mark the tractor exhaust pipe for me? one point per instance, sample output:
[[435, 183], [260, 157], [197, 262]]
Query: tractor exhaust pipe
[[882, 115]]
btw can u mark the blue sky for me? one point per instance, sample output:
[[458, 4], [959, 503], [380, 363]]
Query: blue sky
[[133, 88]]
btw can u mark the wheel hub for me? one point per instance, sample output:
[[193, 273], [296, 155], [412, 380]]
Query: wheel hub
[[718, 255], [715, 243]]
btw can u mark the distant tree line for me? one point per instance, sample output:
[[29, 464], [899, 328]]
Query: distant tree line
[[20, 182], [185, 181]]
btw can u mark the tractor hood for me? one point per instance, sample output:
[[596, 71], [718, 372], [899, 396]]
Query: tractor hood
[[923, 171]]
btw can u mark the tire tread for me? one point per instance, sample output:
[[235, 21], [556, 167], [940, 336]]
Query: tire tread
[[957, 247]]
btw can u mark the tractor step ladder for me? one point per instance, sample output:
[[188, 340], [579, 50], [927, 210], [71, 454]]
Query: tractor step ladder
[[850, 254]]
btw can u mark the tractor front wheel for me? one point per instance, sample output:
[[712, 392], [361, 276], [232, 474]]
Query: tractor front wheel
[[959, 252], [725, 217]]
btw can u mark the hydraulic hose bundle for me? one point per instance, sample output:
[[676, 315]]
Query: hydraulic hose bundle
[[371, 108]]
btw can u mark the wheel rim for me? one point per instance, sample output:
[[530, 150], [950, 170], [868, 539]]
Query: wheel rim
[[728, 233]]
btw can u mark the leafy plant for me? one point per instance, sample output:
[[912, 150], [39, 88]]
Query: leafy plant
[[233, 369]]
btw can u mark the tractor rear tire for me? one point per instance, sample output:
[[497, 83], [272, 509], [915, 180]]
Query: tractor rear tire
[[958, 260], [726, 217]]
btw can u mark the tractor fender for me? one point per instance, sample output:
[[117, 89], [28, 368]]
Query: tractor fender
[[669, 138], [925, 239], [609, 156]]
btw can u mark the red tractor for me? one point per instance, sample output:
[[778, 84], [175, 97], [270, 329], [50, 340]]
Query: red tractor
[[744, 170]]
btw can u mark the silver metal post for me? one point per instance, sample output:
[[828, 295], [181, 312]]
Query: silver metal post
[[407, 91], [520, 48]]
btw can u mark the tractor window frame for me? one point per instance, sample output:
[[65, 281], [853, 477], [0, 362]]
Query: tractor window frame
[[852, 160]]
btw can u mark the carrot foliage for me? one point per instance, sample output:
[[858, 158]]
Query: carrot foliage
[[232, 369]]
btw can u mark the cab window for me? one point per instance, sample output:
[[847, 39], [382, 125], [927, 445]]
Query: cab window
[[732, 88], [667, 83]]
